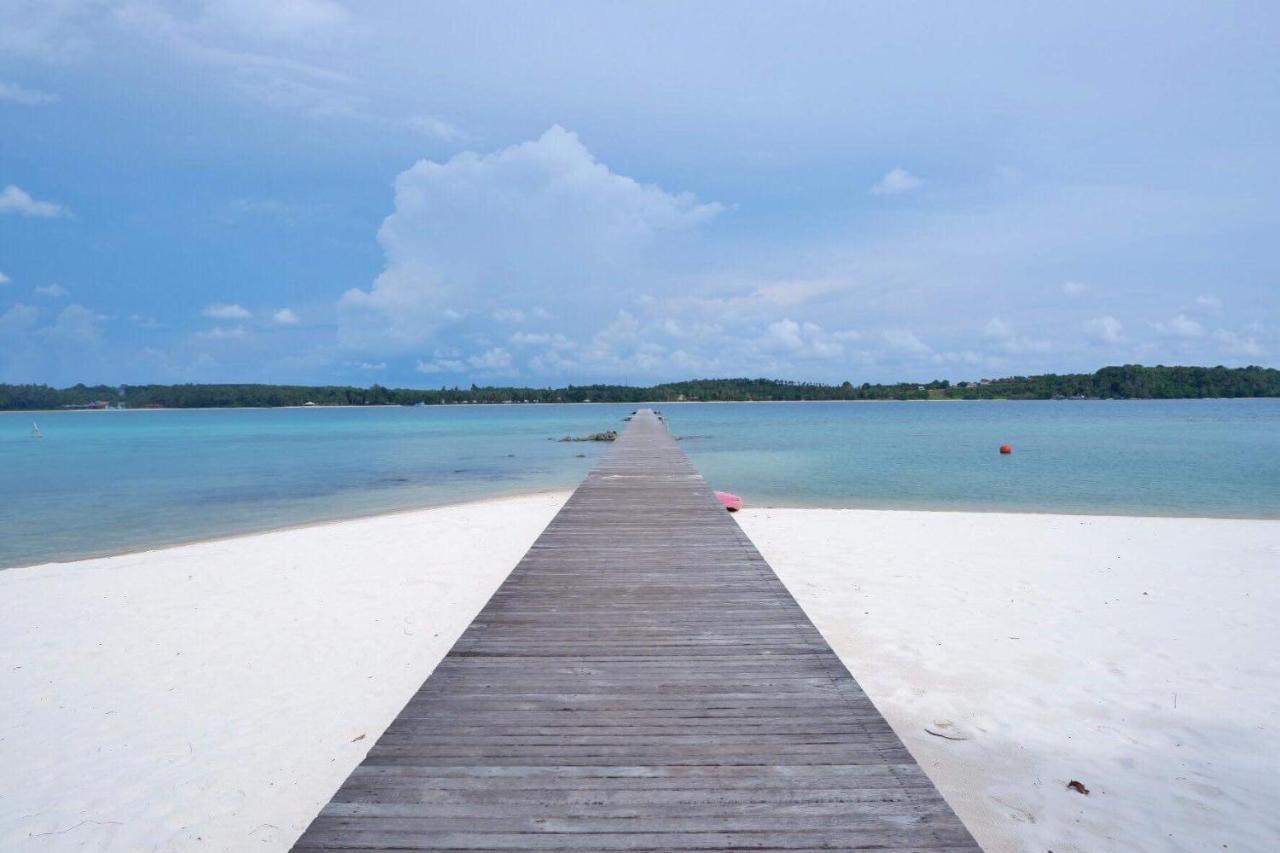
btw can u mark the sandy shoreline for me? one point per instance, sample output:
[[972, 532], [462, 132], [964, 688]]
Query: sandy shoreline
[[1135, 655], [211, 696]]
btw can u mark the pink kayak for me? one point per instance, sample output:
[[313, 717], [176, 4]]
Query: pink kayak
[[733, 503]]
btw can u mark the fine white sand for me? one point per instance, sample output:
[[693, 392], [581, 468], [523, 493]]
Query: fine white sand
[[213, 696], [1139, 656]]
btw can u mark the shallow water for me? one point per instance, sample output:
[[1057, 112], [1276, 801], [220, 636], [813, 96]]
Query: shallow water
[[99, 482]]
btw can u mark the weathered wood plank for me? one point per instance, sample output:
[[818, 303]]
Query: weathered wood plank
[[641, 681]]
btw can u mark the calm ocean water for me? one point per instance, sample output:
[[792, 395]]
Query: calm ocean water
[[99, 482]]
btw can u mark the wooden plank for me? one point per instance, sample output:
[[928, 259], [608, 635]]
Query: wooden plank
[[641, 681]]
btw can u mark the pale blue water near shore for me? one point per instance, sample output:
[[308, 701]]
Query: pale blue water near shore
[[100, 482]]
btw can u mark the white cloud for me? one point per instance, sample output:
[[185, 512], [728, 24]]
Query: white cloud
[[791, 292], [368, 365], [555, 341], [905, 341], [1205, 301], [74, 324], [509, 315], [1008, 340], [225, 311], [540, 221], [19, 318], [440, 365], [785, 333], [214, 38], [4, 279], [280, 19], [1106, 329], [51, 32], [805, 340], [1181, 326], [438, 129], [1238, 344], [223, 333], [54, 290], [997, 329], [1074, 288], [968, 358], [895, 182], [77, 323], [493, 359], [285, 317], [16, 94], [19, 201]]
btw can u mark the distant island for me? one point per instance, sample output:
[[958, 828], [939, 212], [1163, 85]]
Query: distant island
[[1127, 382]]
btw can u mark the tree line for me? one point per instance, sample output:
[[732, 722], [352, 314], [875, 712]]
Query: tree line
[[1127, 382]]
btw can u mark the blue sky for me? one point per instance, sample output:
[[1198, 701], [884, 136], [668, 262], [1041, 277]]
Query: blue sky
[[427, 194]]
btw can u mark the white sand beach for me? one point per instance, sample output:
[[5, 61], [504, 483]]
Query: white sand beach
[[1138, 656], [213, 696]]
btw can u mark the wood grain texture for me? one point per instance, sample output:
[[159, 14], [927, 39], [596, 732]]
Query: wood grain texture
[[641, 681]]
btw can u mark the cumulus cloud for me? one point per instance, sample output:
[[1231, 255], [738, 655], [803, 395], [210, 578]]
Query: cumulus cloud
[[527, 339], [285, 317], [223, 333], [19, 318], [895, 182], [1007, 339], [1106, 329], [16, 94], [1073, 288], [542, 221], [438, 129], [1238, 344], [225, 311], [74, 324], [54, 290], [18, 201], [806, 340], [905, 341], [78, 323], [496, 358], [4, 279], [997, 329], [1180, 326], [1206, 301], [441, 365]]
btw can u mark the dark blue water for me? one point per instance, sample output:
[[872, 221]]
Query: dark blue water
[[99, 482]]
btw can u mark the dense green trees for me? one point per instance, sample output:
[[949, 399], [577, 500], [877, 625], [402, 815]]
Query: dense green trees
[[1130, 381]]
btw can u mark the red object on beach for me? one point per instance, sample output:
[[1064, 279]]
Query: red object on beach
[[733, 503], [1006, 449]]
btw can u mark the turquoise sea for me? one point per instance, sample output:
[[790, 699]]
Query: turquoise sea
[[102, 482]]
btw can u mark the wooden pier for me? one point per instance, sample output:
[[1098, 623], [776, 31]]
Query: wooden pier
[[641, 681]]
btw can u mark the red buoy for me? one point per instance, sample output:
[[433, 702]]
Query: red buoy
[[1006, 449]]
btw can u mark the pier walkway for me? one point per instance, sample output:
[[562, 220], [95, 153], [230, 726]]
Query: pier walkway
[[641, 681]]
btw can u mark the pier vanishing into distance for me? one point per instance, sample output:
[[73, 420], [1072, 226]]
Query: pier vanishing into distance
[[641, 681]]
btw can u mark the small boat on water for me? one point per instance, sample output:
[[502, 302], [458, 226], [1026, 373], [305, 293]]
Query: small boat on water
[[733, 503], [35, 431]]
